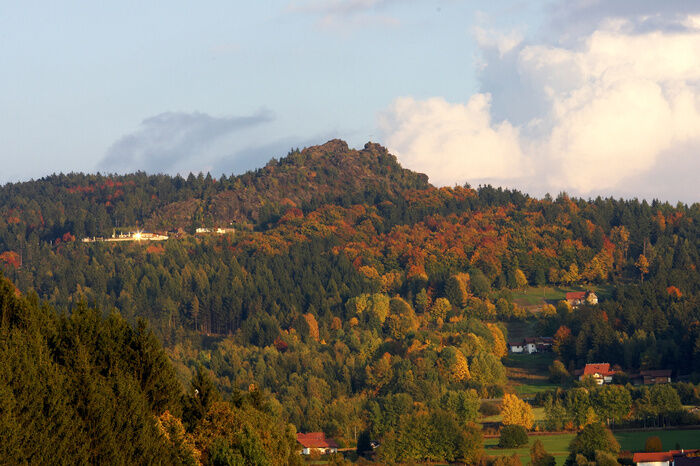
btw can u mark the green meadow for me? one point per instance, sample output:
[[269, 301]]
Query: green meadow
[[558, 444]]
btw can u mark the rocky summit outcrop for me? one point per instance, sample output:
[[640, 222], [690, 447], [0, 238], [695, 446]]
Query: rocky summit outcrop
[[306, 178]]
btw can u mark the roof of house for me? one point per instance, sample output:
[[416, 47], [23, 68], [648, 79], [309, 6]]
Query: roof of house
[[652, 457], [660, 456], [656, 373], [575, 295], [533, 340], [316, 440], [598, 368], [539, 340]]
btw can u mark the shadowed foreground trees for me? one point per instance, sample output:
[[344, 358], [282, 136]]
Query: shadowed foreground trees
[[81, 388], [84, 389]]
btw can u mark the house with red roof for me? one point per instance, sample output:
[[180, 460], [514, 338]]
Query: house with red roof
[[316, 442], [667, 458], [576, 298], [601, 372]]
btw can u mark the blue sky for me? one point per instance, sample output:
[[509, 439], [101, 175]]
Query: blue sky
[[466, 91]]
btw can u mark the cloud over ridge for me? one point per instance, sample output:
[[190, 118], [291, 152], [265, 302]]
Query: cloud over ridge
[[436, 137], [591, 115], [173, 140]]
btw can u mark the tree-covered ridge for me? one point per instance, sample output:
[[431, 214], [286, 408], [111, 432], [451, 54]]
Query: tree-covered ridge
[[65, 207]]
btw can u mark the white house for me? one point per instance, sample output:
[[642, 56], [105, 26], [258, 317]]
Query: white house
[[532, 345], [516, 347], [316, 442]]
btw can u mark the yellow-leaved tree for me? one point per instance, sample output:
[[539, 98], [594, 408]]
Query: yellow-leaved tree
[[517, 412], [460, 369], [500, 348], [643, 265], [313, 325], [520, 279]]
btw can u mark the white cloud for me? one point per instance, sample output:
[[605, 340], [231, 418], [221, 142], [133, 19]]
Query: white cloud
[[616, 104], [452, 143], [609, 109], [504, 43]]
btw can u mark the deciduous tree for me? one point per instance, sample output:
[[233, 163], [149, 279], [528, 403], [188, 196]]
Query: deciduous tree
[[517, 412]]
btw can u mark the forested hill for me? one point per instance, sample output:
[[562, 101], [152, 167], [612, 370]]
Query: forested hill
[[63, 207], [354, 293]]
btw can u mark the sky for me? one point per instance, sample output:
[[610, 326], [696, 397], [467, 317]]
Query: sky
[[588, 97]]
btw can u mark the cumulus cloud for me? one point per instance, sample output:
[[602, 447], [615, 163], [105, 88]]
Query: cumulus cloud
[[174, 141], [594, 114], [452, 143], [570, 19], [503, 43], [630, 98]]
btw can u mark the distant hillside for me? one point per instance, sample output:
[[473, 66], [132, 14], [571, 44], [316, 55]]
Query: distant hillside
[[329, 173], [60, 207]]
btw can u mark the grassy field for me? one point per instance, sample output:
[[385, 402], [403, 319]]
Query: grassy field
[[529, 373], [555, 444], [632, 441], [539, 295], [519, 329]]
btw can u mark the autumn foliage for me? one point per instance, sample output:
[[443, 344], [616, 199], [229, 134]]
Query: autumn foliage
[[10, 258], [517, 412]]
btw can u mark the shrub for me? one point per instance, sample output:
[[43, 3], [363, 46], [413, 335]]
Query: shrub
[[512, 436], [653, 444], [594, 437], [558, 373], [513, 460], [489, 408], [603, 458], [539, 456]]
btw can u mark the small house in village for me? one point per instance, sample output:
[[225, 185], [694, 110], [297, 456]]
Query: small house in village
[[600, 372], [577, 298], [531, 345], [316, 442], [218, 231], [651, 377], [517, 347]]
